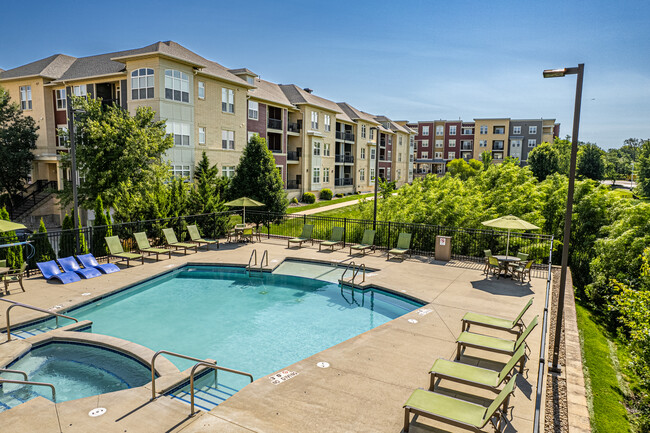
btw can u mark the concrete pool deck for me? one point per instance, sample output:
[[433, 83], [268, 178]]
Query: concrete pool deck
[[369, 378]]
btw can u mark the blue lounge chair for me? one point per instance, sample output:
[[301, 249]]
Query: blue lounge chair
[[89, 261], [69, 264], [50, 270]]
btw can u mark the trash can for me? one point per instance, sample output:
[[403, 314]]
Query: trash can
[[443, 248]]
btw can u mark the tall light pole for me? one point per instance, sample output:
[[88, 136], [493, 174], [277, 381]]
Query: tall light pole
[[551, 73], [374, 219], [73, 167]]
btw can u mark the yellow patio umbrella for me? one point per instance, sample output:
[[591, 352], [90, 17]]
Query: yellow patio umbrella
[[510, 222], [8, 226], [243, 202]]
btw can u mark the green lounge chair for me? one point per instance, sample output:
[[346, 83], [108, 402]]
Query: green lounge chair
[[335, 238], [459, 412], [14, 276], [473, 375], [170, 237], [305, 236], [403, 246], [197, 239], [145, 247], [496, 322], [493, 344], [115, 250], [366, 242], [519, 272]]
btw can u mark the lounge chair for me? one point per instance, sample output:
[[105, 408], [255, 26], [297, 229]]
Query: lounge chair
[[89, 261], [14, 276], [305, 236], [197, 239], [69, 264], [403, 246], [335, 238], [519, 272], [145, 247], [115, 250], [472, 375], [459, 412], [496, 322], [366, 242], [51, 271], [493, 344], [170, 237]]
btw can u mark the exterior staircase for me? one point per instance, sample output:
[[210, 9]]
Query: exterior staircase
[[36, 193]]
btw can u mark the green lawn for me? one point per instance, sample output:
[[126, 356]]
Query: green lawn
[[351, 211], [602, 372], [326, 203]]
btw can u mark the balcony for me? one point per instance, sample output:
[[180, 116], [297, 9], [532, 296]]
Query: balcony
[[497, 146], [295, 127], [293, 184], [274, 124], [342, 135], [293, 155], [343, 181], [345, 159], [465, 147]]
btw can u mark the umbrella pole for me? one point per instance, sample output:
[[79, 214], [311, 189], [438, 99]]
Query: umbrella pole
[[244, 218], [508, 244]]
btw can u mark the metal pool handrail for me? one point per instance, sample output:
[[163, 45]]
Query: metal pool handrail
[[31, 307], [354, 274], [216, 368], [27, 382], [265, 254], [254, 253], [6, 370], [346, 269], [166, 352]]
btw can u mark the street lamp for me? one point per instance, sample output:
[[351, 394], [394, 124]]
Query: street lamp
[[374, 219], [73, 166], [552, 73]]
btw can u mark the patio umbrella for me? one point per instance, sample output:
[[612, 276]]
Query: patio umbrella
[[8, 226], [510, 222], [243, 202]]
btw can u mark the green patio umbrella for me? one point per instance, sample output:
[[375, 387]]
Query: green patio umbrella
[[510, 222], [243, 202], [8, 226]]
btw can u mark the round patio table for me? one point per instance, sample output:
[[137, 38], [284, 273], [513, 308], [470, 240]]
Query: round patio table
[[507, 261]]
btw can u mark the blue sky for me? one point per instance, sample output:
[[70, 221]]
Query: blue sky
[[418, 60]]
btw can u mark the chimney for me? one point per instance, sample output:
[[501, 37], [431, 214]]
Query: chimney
[[308, 90]]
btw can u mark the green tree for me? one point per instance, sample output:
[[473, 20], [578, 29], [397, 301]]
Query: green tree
[[206, 197], [13, 255], [486, 159], [67, 240], [631, 147], [544, 160], [43, 250], [17, 140], [101, 229], [114, 148], [463, 169], [642, 169], [617, 165], [591, 164], [258, 178]]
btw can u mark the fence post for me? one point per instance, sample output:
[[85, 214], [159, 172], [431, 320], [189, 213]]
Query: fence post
[[388, 241], [345, 230]]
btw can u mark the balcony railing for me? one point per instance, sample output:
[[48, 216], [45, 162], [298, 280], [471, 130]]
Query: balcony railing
[[466, 147], [275, 123], [293, 184], [343, 181], [497, 147], [294, 127], [342, 135], [293, 155], [348, 159]]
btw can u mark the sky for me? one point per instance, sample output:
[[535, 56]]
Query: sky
[[408, 60]]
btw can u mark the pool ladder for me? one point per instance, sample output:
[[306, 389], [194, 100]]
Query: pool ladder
[[265, 257], [26, 381], [355, 271]]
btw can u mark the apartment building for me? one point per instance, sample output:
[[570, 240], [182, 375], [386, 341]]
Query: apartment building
[[365, 149], [492, 136]]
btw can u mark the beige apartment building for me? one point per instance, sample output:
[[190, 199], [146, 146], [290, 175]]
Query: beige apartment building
[[491, 135]]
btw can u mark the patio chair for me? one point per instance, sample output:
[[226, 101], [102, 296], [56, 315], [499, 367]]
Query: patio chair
[[459, 412], [14, 276], [493, 266], [145, 247], [366, 243], [247, 234], [170, 237], [493, 344], [69, 264], [115, 250], [496, 322], [305, 236], [522, 270], [488, 254], [403, 246], [522, 256], [51, 271], [335, 238], [477, 376], [195, 237], [89, 261]]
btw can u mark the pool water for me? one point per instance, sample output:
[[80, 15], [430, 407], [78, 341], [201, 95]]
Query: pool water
[[75, 370]]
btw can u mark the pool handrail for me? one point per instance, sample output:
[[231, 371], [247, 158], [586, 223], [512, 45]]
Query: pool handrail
[[27, 382], [167, 352], [355, 271], [7, 370], [216, 368], [31, 307], [254, 253]]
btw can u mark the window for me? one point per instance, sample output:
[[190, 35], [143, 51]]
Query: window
[[468, 131], [439, 143], [372, 134], [399, 157], [516, 130], [390, 140], [497, 144], [482, 143], [452, 130], [60, 99], [400, 140], [399, 174], [452, 143], [314, 120], [388, 173], [363, 153], [515, 143], [440, 130], [142, 84], [372, 174], [326, 149], [532, 142], [425, 130], [316, 148], [201, 90], [228, 140], [61, 139], [362, 174], [80, 90], [483, 129], [390, 156], [177, 86], [26, 97], [438, 155], [328, 125], [425, 155], [424, 143], [250, 80], [373, 153], [180, 170], [316, 175], [201, 135], [326, 175], [253, 110], [363, 131], [228, 171], [180, 132], [499, 130], [251, 135], [451, 155], [227, 100], [532, 129]]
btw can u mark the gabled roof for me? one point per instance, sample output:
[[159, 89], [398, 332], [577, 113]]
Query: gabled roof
[[242, 71], [298, 96], [394, 127], [271, 92], [355, 114], [49, 67]]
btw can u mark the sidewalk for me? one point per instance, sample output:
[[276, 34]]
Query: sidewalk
[[330, 207]]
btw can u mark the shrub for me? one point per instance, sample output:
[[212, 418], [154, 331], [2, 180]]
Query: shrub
[[339, 195], [308, 198], [325, 194], [294, 200]]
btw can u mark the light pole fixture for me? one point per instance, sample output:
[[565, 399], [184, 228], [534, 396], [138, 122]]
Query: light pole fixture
[[552, 73], [374, 219], [73, 166]]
